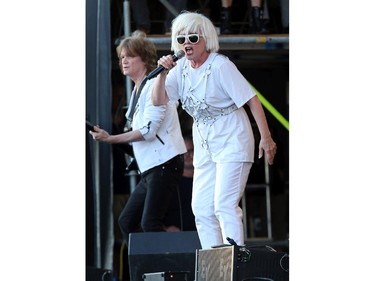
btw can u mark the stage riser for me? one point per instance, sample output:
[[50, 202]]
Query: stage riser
[[154, 255]]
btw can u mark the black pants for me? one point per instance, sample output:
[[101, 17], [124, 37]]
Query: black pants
[[149, 202]]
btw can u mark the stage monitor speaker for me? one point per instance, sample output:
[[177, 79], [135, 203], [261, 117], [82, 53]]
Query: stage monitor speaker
[[234, 263], [151, 252]]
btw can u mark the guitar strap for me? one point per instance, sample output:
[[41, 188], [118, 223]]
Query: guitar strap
[[135, 100]]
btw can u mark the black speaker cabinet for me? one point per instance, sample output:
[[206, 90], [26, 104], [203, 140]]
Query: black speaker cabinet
[[234, 263], [151, 252]]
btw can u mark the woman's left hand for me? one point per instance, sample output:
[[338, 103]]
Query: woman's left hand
[[268, 146]]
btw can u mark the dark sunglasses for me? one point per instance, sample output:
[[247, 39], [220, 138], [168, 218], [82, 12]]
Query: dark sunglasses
[[192, 38]]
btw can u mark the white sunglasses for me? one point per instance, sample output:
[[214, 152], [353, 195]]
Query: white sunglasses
[[192, 38]]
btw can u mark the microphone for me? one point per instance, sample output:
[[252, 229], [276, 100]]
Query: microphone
[[179, 54], [231, 241]]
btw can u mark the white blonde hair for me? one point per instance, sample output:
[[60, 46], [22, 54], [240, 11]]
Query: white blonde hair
[[193, 22]]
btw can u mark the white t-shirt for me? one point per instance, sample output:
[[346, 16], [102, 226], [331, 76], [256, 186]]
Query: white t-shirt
[[219, 84]]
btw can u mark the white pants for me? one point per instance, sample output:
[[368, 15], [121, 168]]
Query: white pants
[[217, 191]]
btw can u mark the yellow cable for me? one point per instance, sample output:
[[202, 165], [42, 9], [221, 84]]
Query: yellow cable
[[271, 109], [121, 260]]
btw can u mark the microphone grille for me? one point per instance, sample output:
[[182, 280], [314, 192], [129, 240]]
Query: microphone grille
[[180, 54]]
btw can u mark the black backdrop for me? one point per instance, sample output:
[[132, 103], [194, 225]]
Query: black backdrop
[[99, 220]]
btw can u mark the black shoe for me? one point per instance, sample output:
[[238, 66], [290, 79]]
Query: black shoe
[[257, 24], [226, 20]]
